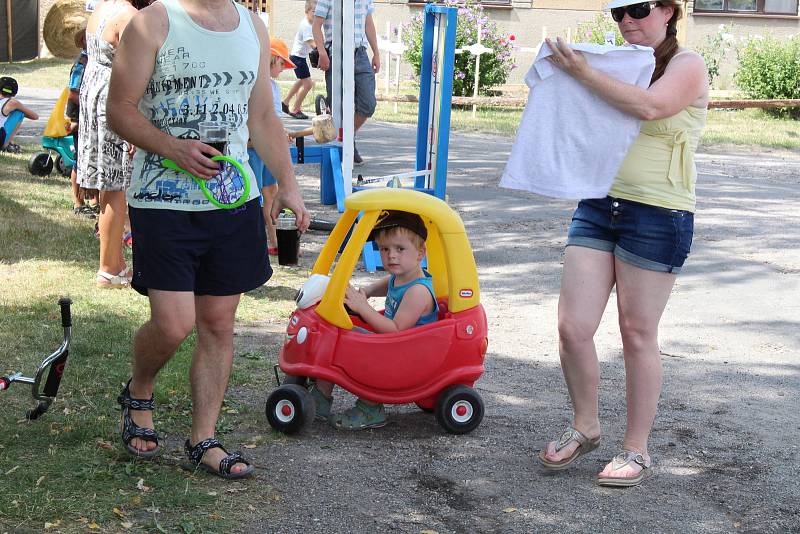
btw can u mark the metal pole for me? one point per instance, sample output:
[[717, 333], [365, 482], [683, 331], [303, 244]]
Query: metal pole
[[397, 65], [477, 72], [10, 26]]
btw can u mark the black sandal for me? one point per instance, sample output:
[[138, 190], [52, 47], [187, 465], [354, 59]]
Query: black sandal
[[195, 455], [131, 430]]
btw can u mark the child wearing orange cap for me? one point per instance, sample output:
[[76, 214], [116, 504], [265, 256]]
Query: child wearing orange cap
[[266, 182]]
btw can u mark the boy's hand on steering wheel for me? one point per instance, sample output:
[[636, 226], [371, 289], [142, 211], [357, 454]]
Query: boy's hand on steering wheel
[[355, 300]]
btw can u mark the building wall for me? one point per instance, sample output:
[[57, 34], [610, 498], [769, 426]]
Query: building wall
[[528, 19]]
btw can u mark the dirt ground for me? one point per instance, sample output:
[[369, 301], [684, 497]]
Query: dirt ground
[[725, 441]]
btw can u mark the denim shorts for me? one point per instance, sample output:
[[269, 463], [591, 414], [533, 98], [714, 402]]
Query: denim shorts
[[364, 99], [645, 236], [214, 252]]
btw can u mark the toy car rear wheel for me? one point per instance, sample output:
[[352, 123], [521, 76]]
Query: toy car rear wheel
[[290, 409], [459, 409], [40, 164], [61, 166]]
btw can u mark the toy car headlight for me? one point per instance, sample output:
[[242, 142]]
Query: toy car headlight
[[312, 291]]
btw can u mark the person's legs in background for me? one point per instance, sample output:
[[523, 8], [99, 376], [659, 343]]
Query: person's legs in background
[[300, 89], [269, 193], [111, 224], [365, 101], [268, 186]]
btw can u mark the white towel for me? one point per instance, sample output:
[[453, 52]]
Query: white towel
[[570, 142]]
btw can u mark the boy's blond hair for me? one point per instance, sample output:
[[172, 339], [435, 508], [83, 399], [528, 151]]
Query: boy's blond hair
[[414, 237], [310, 5]]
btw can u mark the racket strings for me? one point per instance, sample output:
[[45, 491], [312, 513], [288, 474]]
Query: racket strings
[[228, 185]]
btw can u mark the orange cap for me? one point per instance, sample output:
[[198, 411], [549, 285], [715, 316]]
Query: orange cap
[[278, 48]]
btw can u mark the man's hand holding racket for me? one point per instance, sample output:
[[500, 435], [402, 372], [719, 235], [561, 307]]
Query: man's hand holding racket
[[194, 156]]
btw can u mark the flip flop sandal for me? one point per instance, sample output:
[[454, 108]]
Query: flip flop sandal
[[112, 281], [131, 430], [624, 458], [585, 445], [195, 456], [360, 417]]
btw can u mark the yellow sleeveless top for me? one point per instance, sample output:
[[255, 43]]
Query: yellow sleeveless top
[[659, 168]]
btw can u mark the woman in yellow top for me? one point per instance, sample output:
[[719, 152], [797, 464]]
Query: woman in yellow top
[[637, 238]]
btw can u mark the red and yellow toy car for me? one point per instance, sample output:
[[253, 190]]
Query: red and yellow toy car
[[434, 365]]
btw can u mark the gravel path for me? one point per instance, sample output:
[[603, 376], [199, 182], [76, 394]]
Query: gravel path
[[725, 439]]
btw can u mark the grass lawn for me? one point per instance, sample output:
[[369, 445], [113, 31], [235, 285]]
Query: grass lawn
[[725, 127], [67, 468], [39, 73]]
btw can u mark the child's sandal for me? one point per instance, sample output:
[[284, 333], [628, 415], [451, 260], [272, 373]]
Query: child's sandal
[[195, 456], [131, 430], [360, 417]]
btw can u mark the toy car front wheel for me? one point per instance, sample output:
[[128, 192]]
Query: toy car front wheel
[[290, 409], [459, 409], [40, 164]]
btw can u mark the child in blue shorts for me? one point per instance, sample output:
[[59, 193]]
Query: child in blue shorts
[[12, 111], [266, 182]]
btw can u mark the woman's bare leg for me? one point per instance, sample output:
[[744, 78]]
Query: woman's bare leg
[[585, 286], [642, 296]]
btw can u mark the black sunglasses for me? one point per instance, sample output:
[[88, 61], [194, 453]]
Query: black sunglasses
[[636, 11]]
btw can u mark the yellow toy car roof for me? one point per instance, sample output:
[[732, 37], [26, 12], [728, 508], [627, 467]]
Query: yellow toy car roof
[[450, 259]]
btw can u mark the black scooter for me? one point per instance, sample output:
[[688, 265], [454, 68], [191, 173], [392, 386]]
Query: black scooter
[[53, 365]]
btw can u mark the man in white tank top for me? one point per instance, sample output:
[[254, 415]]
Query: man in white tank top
[[180, 62]]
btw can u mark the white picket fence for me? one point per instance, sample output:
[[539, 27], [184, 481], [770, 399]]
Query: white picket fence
[[392, 47]]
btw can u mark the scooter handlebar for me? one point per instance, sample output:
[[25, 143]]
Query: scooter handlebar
[[66, 314]]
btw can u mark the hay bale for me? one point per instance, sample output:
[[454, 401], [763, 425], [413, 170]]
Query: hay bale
[[64, 19]]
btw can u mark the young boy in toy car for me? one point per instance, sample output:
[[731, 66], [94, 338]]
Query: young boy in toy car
[[410, 302]]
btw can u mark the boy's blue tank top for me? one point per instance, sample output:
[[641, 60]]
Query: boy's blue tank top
[[395, 294]]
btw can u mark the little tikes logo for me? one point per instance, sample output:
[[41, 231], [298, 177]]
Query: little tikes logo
[[465, 293]]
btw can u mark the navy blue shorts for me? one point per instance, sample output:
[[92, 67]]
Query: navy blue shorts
[[645, 236], [301, 69], [216, 252], [364, 98]]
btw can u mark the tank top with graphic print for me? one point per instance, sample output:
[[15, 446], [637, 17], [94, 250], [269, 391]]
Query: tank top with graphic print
[[394, 296], [199, 75]]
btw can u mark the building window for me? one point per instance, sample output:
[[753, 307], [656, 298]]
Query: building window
[[755, 7], [486, 3]]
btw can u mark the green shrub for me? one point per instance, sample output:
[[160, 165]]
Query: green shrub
[[715, 48], [495, 65], [770, 69], [595, 30]]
